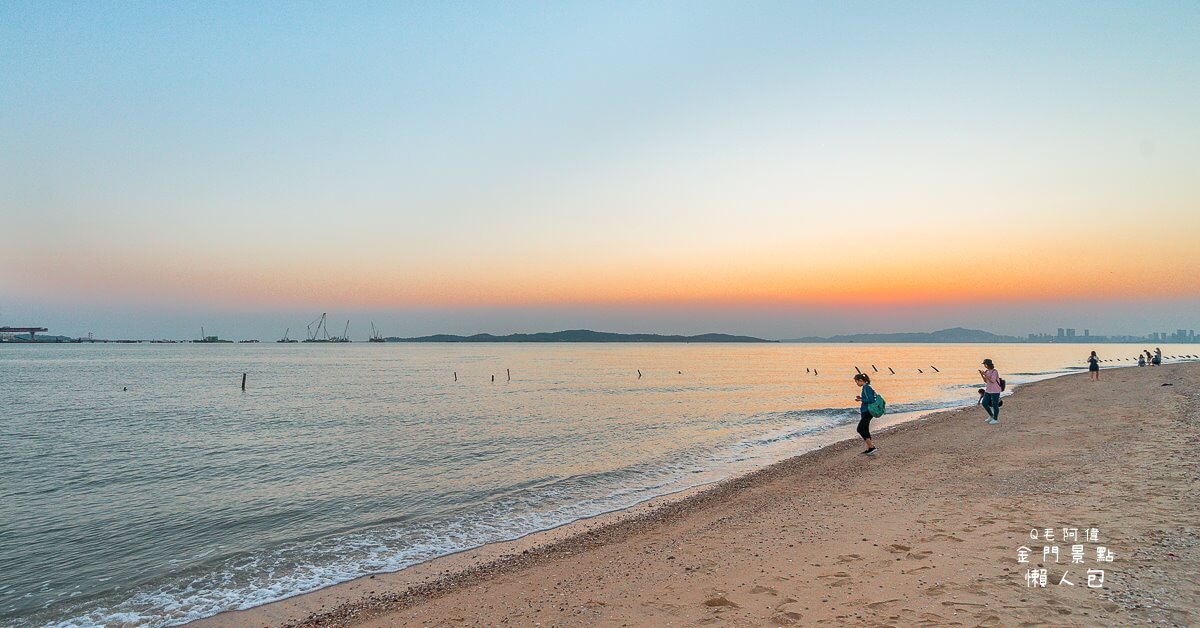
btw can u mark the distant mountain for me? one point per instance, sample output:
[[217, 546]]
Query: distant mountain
[[579, 335], [954, 334]]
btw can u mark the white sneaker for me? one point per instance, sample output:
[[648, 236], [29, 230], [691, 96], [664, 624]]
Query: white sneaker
[[993, 422]]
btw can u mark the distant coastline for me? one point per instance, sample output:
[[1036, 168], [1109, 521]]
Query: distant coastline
[[954, 335], [581, 335], [962, 335]]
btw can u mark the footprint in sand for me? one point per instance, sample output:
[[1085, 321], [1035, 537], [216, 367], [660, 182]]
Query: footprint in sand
[[786, 618], [720, 602], [942, 537], [880, 604], [935, 590], [672, 609], [848, 558], [897, 548], [840, 574], [761, 589], [919, 555]]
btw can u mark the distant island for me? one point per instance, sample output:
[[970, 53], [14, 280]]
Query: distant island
[[954, 334], [579, 335]]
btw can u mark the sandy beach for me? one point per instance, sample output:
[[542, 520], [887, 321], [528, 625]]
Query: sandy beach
[[927, 532]]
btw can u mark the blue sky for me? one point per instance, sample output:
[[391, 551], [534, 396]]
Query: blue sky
[[614, 164]]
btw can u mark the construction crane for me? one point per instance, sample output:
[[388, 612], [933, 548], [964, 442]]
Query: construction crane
[[285, 336], [375, 335], [315, 335], [345, 337]]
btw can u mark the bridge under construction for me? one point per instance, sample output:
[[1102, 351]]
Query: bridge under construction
[[23, 330]]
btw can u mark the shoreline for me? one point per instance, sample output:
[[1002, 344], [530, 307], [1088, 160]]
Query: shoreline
[[457, 564], [373, 595], [421, 573]]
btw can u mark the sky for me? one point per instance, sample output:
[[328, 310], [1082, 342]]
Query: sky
[[775, 169]]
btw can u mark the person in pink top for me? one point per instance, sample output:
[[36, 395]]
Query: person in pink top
[[991, 391]]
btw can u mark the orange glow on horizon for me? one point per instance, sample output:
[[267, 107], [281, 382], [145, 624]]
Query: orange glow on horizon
[[952, 276]]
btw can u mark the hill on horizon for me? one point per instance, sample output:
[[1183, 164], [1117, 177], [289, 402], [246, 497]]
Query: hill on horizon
[[580, 335], [953, 334]]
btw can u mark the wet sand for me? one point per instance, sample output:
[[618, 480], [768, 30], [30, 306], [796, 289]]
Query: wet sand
[[926, 532]]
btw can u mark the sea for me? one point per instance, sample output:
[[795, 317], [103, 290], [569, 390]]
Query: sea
[[139, 484]]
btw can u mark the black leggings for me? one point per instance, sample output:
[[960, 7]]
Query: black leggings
[[991, 405], [864, 425]]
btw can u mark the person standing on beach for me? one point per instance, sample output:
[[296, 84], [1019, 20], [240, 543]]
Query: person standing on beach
[[991, 391], [1157, 361], [865, 398], [1094, 367]]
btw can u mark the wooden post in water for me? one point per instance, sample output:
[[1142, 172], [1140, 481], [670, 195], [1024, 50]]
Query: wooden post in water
[[639, 373], [857, 371], [493, 379], [243, 381], [890, 369], [509, 373], [456, 376], [935, 369], [874, 369]]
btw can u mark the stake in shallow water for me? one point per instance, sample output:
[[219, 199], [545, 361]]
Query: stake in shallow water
[[243, 381]]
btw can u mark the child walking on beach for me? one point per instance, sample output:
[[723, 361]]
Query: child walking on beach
[[991, 391], [1094, 367], [865, 398]]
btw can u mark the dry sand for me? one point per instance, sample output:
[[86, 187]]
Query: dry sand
[[926, 532]]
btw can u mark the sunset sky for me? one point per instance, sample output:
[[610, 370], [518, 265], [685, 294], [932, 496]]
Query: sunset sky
[[778, 169]]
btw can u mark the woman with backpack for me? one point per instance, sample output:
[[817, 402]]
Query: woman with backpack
[[991, 391], [1094, 367], [866, 398]]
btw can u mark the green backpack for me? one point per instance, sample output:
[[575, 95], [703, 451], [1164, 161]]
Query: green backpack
[[877, 407]]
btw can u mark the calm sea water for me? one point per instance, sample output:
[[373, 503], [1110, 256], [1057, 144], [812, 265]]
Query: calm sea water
[[184, 496]]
